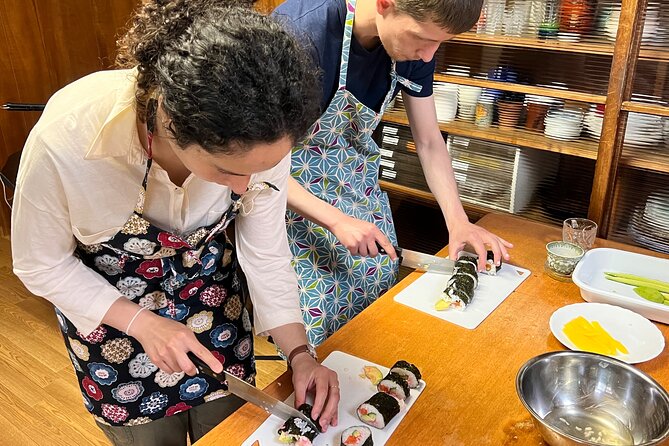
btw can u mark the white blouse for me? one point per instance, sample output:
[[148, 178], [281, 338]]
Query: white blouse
[[79, 179]]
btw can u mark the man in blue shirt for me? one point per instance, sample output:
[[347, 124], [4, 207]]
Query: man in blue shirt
[[367, 50]]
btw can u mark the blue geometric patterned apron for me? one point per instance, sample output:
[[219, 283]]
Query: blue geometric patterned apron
[[189, 278], [338, 161]]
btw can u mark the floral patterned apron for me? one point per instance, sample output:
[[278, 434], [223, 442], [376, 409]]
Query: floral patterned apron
[[338, 162], [192, 279]]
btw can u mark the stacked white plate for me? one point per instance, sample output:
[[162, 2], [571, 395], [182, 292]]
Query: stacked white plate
[[468, 96], [644, 130], [654, 33], [546, 100], [563, 123], [593, 121], [457, 70], [446, 101]]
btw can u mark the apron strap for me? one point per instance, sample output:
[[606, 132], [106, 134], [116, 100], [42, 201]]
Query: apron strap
[[346, 42]]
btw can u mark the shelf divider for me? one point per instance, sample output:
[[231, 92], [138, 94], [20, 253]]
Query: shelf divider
[[521, 88], [584, 148], [585, 46], [640, 107]]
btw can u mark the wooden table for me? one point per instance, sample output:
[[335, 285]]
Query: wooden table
[[470, 398]]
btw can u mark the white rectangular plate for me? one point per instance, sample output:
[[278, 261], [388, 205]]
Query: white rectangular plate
[[595, 287], [355, 390], [492, 290]]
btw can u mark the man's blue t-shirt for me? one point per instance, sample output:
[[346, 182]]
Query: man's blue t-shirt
[[319, 24]]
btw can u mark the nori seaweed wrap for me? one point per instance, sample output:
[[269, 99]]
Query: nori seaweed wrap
[[379, 410], [463, 282], [409, 370], [490, 267], [465, 267], [294, 428], [394, 384]]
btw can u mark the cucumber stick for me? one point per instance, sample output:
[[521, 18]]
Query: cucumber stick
[[638, 281]]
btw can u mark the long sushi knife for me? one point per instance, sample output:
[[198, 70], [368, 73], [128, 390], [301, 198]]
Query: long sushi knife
[[429, 263], [252, 394], [424, 262], [421, 261]]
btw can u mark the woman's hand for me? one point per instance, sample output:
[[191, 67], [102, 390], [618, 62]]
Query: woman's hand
[[480, 239], [361, 237], [167, 343], [309, 375]]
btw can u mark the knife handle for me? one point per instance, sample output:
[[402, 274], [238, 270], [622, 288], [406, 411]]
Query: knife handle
[[398, 251], [204, 368]]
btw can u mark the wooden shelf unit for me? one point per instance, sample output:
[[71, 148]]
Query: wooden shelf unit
[[521, 88], [585, 46], [651, 109], [584, 148]]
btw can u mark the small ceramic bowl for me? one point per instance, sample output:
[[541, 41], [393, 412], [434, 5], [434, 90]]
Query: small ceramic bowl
[[563, 257]]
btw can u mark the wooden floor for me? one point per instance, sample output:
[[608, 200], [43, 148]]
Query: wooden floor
[[40, 400]]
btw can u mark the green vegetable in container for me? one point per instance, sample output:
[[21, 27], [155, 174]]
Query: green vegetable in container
[[650, 294], [638, 281]]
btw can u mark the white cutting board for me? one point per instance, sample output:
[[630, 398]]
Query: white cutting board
[[492, 290], [354, 390]]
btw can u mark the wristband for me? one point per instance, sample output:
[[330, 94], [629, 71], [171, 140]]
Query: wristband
[[304, 348], [127, 330]]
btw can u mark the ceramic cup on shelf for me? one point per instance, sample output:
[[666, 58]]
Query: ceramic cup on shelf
[[536, 113], [562, 258], [468, 96], [580, 231], [509, 113]]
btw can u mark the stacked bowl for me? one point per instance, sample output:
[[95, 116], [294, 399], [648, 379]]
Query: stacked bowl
[[446, 101], [564, 123]]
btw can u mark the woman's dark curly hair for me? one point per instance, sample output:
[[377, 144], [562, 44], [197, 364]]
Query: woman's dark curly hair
[[227, 76]]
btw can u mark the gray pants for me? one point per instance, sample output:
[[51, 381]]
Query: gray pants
[[174, 430]]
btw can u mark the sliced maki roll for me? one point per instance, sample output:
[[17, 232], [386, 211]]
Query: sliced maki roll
[[379, 410], [296, 430], [457, 299], [409, 371], [490, 266], [357, 436], [394, 384], [465, 267], [464, 282], [469, 259]]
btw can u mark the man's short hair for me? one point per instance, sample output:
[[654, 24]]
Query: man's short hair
[[455, 16]]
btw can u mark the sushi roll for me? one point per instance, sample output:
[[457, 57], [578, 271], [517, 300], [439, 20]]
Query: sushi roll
[[379, 410], [458, 299], [490, 267], [465, 267], [463, 281], [469, 259], [394, 384], [296, 431], [409, 371], [357, 436]]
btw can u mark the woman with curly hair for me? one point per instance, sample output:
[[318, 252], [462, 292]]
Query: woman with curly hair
[[126, 186]]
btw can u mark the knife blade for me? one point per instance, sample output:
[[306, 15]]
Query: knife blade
[[428, 263], [424, 262], [252, 394]]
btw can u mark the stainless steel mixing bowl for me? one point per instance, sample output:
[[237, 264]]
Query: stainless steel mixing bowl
[[579, 398]]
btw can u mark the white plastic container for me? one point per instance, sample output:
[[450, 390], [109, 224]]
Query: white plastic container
[[595, 287]]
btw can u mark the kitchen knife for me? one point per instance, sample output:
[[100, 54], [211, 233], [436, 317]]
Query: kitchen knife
[[424, 262], [252, 394], [429, 263]]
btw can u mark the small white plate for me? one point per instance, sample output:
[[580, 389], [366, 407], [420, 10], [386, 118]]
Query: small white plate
[[641, 337]]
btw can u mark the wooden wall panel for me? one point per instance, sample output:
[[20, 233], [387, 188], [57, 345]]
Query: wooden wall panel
[[45, 45]]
